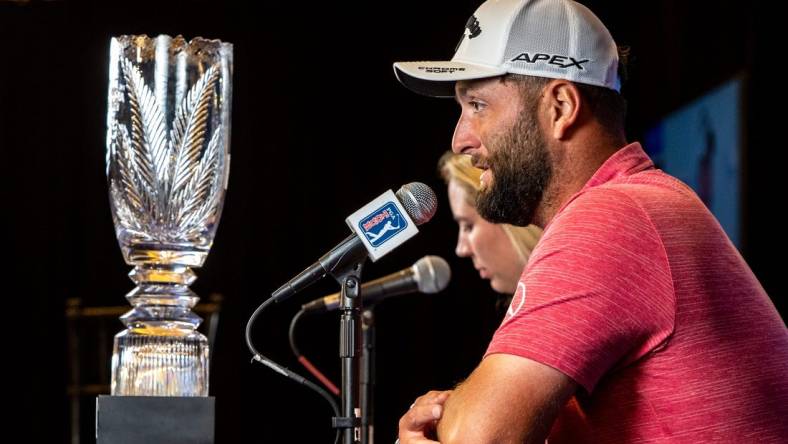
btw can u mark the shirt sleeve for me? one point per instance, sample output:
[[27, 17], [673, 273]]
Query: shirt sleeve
[[597, 293]]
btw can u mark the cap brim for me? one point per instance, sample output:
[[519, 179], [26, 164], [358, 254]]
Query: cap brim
[[436, 79]]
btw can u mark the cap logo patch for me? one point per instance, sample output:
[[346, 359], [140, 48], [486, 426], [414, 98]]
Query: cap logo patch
[[472, 25], [551, 59], [472, 30]]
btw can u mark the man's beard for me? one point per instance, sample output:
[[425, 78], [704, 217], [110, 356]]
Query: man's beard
[[521, 169]]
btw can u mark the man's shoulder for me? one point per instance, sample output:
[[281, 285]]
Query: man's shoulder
[[640, 196], [603, 221], [604, 206], [648, 184]]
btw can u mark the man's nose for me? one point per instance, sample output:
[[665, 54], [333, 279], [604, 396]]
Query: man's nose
[[464, 139]]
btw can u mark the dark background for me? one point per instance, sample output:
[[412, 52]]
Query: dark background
[[320, 127]]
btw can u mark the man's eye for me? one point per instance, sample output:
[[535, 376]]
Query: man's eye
[[467, 228], [477, 106]]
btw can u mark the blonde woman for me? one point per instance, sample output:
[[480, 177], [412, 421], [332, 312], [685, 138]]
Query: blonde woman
[[498, 251]]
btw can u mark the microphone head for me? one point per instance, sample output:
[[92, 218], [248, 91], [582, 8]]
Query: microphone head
[[419, 201], [432, 273]]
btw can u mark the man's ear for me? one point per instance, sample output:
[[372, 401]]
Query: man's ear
[[562, 101]]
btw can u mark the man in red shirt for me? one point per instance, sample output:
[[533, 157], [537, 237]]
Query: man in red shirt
[[636, 319]]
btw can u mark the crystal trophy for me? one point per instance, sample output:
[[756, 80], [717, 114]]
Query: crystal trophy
[[168, 158]]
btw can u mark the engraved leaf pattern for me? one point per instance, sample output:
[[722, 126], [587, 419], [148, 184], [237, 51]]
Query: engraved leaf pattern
[[166, 187], [149, 141], [188, 129], [188, 137], [126, 180], [197, 199]]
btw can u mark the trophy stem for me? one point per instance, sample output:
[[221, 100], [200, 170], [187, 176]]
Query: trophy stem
[[161, 353]]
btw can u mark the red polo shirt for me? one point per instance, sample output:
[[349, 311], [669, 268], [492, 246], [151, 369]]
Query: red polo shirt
[[636, 293]]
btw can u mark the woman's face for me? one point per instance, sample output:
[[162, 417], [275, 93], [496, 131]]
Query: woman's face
[[487, 244]]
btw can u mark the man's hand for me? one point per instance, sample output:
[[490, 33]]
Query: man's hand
[[417, 426]]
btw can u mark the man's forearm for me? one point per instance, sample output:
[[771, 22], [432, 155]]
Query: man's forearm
[[506, 400], [463, 423], [452, 420]]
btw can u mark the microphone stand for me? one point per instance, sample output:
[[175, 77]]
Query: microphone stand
[[349, 349], [367, 376]]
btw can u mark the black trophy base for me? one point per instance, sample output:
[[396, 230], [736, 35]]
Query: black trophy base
[[154, 420]]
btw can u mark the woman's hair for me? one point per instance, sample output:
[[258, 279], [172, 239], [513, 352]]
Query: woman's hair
[[458, 167]]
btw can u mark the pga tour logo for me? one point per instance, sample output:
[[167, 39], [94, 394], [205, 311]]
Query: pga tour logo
[[382, 224]]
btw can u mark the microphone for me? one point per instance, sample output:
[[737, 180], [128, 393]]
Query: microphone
[[378, 227], [429, 274]]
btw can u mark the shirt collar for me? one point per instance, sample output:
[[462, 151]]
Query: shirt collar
[[625, 162]]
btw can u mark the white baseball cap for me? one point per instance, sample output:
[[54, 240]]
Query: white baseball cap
[[559, 39]]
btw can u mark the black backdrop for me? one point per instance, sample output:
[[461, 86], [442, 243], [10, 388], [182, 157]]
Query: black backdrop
[[320, 126]]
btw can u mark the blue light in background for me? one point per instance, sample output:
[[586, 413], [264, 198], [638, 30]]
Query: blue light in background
[[701, 144]]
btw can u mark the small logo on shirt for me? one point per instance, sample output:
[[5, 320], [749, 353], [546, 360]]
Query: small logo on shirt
[[518, 300]]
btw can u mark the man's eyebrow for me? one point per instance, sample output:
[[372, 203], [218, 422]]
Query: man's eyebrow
[[461, 91]]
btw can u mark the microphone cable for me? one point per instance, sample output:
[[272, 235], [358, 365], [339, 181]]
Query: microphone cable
[[284, 371], [431, 274], [304, 361]]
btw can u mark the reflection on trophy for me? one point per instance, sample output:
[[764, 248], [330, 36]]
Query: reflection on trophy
[[168, 143]]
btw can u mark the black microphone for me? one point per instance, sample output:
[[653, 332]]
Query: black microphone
[[419, 201], [429, 274]]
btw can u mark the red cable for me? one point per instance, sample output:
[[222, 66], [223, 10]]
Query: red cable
[[317, 374]]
